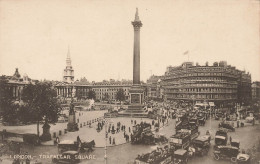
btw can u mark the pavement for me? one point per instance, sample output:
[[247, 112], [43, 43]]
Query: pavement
[[125, 153], [55, 128]]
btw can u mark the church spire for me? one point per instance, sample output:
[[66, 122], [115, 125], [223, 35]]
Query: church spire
[[68, 55]]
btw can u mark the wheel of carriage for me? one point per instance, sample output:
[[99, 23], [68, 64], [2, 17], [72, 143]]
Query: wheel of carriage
[[234, 159], [216, 157]]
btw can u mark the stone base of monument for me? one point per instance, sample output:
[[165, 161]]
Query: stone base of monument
[[72, 127], [135, 111], [46, 135]]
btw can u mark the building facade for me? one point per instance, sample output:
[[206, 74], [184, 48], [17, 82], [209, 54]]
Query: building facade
[[154, 89], [16, 84], [219, 83], [105, 90], [256, 90]]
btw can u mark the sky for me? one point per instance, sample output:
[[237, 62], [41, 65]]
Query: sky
[[35, 36]]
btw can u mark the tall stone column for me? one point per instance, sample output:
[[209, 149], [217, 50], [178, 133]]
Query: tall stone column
[[137, 24]]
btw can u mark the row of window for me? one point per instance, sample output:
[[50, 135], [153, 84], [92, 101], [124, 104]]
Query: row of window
[[203, 96]]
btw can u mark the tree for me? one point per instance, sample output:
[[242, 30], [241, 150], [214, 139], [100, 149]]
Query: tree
[[8, 110], [92, 94], [79, 94], [120, 95], [41, 100]]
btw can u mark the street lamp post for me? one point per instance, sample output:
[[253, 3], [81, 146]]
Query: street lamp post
[[209, 117], [105, 141]]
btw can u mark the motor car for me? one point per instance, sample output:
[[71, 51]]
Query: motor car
[[243, 158], [218, 116], [69, 157], [180, 156], [226, 152], [250, 119], [226, 126], [221, 137], [201, 145], [194, 120], [235, 143]]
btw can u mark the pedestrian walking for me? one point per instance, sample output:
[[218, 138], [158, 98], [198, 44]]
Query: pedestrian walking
[[114, 141], [110, 140], [129, 129], [230, 139]]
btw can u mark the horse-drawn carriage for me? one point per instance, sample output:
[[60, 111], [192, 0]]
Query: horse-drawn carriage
[[69, 145]]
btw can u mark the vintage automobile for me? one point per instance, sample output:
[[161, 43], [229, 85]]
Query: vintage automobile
[[160, 155], [221, 137], [160, 138], [180, 140], [180, 156], [235, 143], [250, 119], [70, 157], [226, 152], [243, 158], [194, 120], [201, 118], [192, 129], [226, 126], [201, 145], [219, 115]]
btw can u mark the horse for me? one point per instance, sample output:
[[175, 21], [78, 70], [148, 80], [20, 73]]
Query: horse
[[88, 145]]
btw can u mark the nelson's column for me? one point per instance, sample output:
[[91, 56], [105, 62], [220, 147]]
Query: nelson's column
[[135, 108]]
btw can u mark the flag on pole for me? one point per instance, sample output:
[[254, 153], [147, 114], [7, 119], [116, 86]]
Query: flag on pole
[[186, 52]]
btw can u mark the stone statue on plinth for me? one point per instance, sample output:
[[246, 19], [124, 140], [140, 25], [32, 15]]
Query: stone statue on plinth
[[46, 135], [72, 126]]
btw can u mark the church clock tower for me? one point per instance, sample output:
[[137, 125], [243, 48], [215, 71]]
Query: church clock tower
[[68, 74]]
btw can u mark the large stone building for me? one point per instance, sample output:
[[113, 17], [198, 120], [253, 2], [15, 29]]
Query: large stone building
[[154, 89], [256, 90], [17, 82], [105, 90], [219, 83]]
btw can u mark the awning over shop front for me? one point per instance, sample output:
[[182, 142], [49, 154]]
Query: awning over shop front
[[211, 104]]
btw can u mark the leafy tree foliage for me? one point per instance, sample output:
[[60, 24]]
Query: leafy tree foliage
[[120, 95], [41, 101], [8, 110], [92, 94]]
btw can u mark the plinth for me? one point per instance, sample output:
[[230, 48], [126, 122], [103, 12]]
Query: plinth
[[72, 126], [135, 109], [46, 135]]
